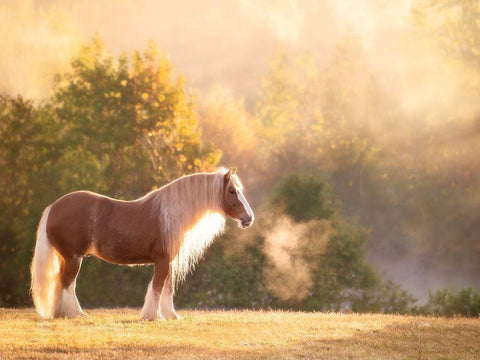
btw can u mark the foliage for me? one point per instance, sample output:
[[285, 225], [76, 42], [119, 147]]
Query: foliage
[[315, 261], [319, 136], [26, 152], [230, 276], [117, 127], [303, 198], [101, 284], [444, 151], [126, 129], [287, 109], [342, 279], [224, 120], [398, 173], [444, 302], [391, 298], [393, 172], [453, 27], [125, 118], [229, 127]]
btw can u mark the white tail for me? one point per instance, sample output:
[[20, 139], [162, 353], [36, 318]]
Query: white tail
[[45, 269]]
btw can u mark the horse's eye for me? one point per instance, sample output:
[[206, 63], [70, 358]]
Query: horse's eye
[[233, 191]]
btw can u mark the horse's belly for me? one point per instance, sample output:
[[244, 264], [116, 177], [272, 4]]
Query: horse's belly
[[122, 259], [122, 249]]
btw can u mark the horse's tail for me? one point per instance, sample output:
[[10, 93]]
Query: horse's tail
[[45, 268]]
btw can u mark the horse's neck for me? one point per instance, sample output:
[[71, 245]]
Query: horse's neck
[[201, 195], [187, 200]]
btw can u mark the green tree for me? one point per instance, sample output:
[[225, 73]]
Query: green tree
[[314, 119], [352, 115], [230, 276], [334, 251], [445, 302], [27, 151], [303, 198], [126, 129], [119, 127], [122, 118], [287, 109], [300, 255]]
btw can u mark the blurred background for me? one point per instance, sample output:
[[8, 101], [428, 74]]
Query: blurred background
[[354, 126]]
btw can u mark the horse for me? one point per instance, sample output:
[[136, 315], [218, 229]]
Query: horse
[[169, 227]]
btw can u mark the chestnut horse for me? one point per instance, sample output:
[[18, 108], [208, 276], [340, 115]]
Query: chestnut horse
[[169, 227]]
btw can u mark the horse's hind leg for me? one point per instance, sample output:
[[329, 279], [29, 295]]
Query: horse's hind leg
[[66, 300], [151, 307], [166, 300]]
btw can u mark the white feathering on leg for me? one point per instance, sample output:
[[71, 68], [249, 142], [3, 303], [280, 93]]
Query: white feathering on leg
[[67, 304], [150, 310], [166, 304]]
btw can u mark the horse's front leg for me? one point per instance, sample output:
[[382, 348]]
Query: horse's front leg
[[166, 300], [151, 307]]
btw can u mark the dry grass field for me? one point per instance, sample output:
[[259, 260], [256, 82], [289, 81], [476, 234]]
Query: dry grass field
[[117, 334]]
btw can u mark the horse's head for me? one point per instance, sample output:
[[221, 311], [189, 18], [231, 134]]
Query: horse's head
[[234, 203]]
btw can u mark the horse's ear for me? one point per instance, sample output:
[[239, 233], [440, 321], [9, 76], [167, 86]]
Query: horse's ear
[[229, 173]]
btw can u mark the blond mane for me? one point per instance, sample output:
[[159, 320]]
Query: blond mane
[[191, 216]]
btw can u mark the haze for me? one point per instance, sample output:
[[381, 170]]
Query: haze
[[229, 45]]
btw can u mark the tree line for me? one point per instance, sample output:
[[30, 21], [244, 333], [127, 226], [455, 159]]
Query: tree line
[[336, 170]]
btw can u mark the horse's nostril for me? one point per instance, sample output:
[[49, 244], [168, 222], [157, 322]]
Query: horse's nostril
[[247, 222]]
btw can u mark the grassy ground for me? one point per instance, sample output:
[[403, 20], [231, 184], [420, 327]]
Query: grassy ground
[[115, 334]]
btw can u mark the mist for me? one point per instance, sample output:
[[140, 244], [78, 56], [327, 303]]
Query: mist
[[211, 43], [230, 45]]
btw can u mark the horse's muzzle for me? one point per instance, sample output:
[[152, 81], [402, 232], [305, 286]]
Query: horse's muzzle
[[246, 222]]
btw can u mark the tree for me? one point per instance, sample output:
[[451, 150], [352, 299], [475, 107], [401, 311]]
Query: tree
[[303, 198], [230, 276], [121, 118], [287, 109], [444, 157], [227, 125], [300, 255], [121, 128], [26, 156], [126, 129], [453, 26], [445, 302]]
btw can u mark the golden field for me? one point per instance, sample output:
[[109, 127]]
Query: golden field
[[118, 333]]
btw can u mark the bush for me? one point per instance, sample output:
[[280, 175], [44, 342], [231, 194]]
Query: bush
[[444, 302], [303, 198]]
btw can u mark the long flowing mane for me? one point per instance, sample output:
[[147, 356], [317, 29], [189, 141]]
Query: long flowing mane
[[191, 216]]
